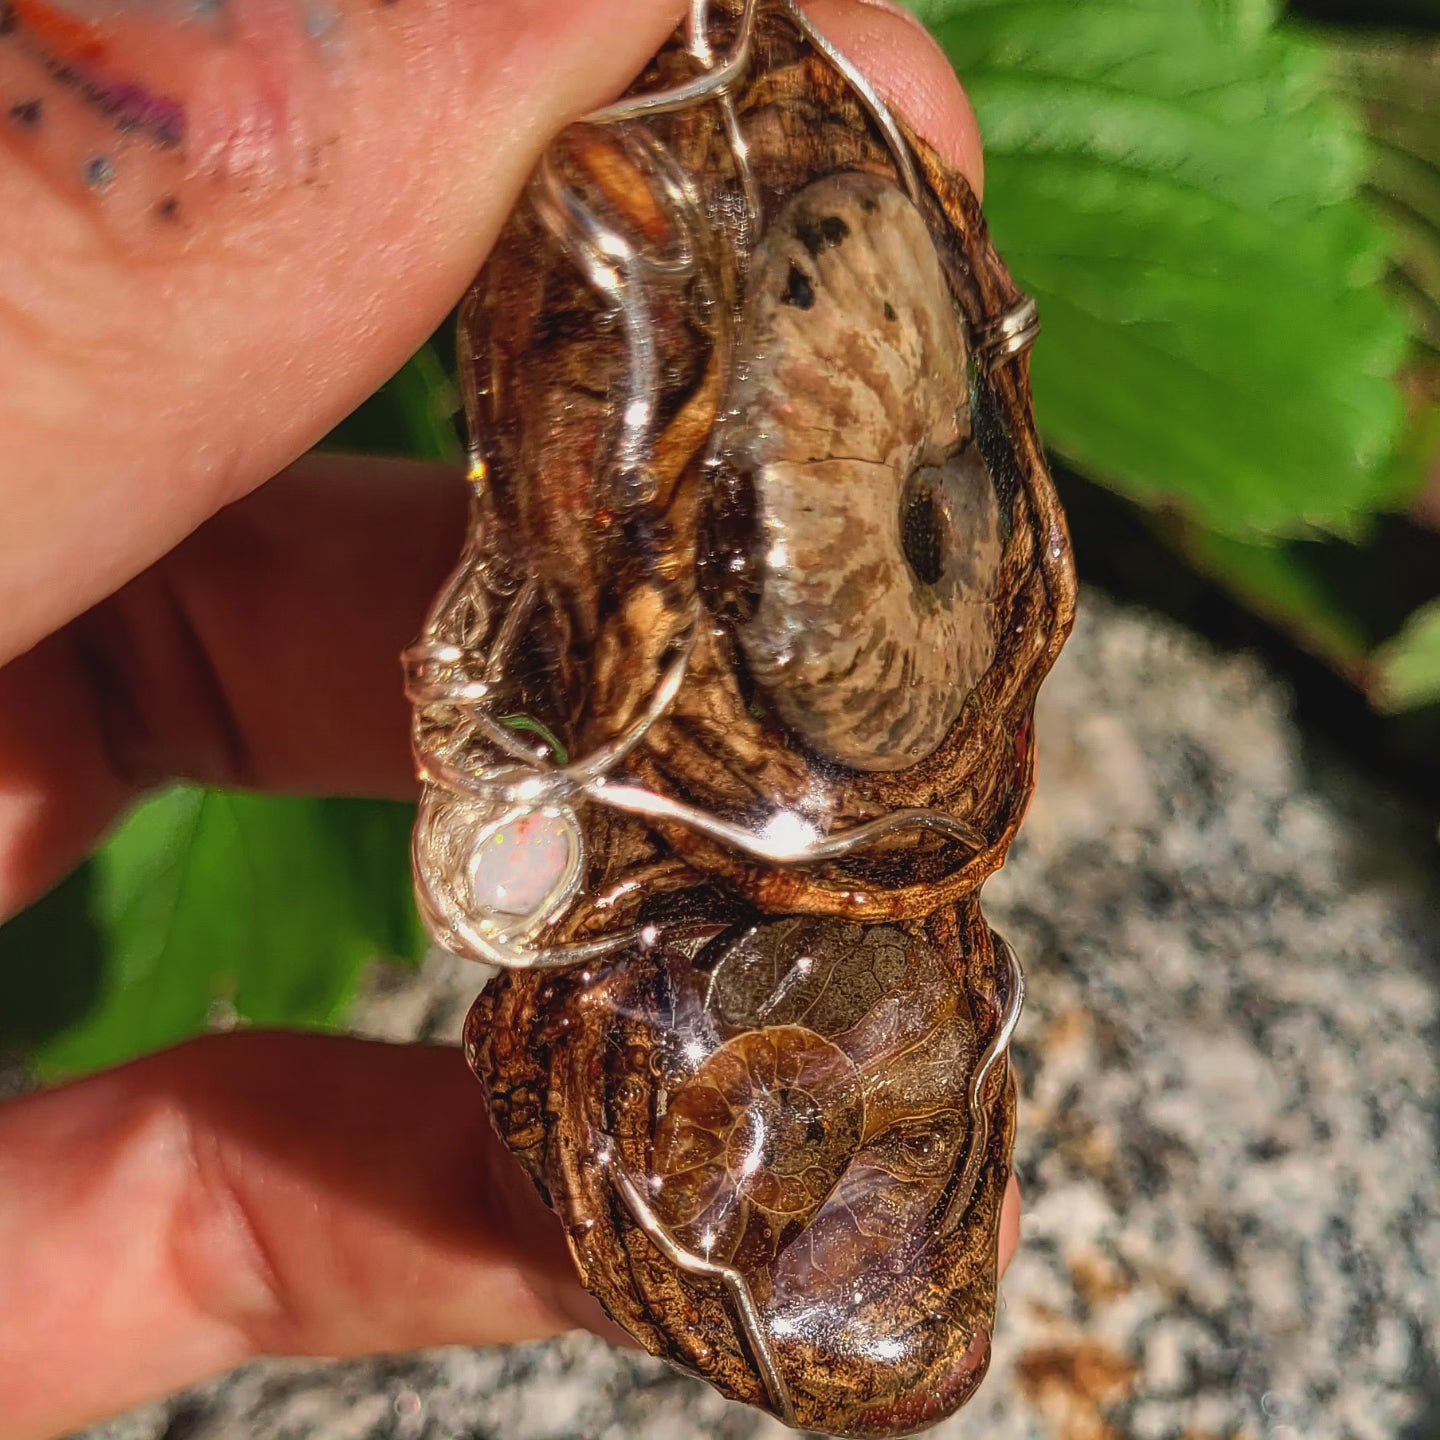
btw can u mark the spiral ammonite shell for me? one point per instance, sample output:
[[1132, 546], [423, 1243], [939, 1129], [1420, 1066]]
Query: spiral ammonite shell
[[879, 527], [753, 1144]]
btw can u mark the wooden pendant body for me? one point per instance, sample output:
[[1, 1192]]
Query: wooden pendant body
[[792, 1065]]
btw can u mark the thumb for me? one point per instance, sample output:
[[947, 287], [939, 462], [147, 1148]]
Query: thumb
[[257, 1194], [224, 222]]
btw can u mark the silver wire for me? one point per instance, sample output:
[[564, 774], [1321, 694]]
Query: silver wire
[[868, 96], [1009, 334], [697, 39], [487, 941], [717, 80], [606, 257], [785, 845], [998, 1048], [752, 1324], [618, 270]]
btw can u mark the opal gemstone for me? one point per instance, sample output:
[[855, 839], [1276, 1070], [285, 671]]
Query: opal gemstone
[[517, 869]]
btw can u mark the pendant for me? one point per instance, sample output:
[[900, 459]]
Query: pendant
[[725, 717]]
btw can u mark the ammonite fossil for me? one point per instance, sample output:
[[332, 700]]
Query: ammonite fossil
[[725, 717]]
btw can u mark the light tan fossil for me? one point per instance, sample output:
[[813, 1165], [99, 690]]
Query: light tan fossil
[[878, 520]]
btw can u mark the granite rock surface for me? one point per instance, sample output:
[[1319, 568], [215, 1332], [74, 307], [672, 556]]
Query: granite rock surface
[[1230, 1075]]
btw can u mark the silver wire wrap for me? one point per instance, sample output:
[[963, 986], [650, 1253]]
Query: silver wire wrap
[[1011, 334], [1005, 337], [619, 271], [996, 1050], [483, 776], [467, 804]]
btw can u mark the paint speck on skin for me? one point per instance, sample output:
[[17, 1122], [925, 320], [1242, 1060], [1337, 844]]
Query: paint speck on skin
[[145, 126], [130, 106], [325, 27], [75, 50], [320, 20]]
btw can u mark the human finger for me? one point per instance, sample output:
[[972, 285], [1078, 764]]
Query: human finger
[[221, 226], [263, 1194], [262, 653], [257, 1194]]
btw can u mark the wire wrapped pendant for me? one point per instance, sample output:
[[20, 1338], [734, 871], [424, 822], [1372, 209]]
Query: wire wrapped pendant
[[725, 717]]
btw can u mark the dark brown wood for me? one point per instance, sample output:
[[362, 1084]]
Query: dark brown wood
[[882, 1236]]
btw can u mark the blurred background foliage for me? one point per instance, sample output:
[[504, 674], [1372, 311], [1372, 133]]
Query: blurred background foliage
[[1229, 211]]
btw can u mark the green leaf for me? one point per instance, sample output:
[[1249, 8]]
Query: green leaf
[[373, 839], [1407, 669], [210, 908], [1397, 86], [1170, 181], [412, 414], [428, 401]]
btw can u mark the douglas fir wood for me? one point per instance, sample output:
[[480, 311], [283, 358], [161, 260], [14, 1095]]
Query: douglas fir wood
[[725, 717]]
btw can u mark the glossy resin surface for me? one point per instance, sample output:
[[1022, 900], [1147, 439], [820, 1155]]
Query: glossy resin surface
[[725, 718]]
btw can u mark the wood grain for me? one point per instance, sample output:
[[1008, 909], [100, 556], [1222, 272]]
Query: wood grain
[[871, 984]]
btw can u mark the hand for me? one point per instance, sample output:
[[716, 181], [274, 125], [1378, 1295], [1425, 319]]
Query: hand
[[199, 275]]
